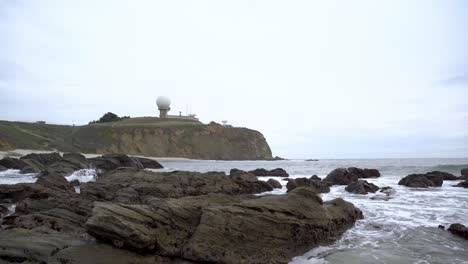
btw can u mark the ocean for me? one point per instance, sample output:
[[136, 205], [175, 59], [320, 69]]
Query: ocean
[[403, 229]]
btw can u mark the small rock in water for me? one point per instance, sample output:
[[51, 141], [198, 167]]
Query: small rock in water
[[459, 230], [441, 227], [274, 183]]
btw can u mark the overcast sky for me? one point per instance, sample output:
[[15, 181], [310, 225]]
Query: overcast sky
[[320, 79]]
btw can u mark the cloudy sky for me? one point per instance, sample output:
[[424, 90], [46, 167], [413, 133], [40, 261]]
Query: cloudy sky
[[320, 79]]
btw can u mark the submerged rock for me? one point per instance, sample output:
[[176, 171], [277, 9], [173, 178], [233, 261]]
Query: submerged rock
[[225, 228], [422, 180], [275, 184], [459, 230], [278, 172], [463, 184], [316, 185], [362, 187]]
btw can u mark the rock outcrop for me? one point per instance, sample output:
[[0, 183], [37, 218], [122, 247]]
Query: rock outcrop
[[341, 176], [361, 187], [422, 180], [364, 173], [463, 184], [275, 184], [278, 172], [224, 229], [316, 185], [445, 175], [459, 230], [464, 174]]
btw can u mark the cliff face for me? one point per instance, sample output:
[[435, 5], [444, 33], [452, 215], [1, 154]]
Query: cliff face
[[196, 141]]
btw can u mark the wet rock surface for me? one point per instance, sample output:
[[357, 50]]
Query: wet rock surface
[[445, 175], [422, 180], [362, 187], [463, 184], [459, 230], [317, 185], [274, 184], [343, 176], [278, 172], [130, 215]]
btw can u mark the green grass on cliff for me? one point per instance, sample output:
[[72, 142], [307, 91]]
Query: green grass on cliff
[[25, 135]]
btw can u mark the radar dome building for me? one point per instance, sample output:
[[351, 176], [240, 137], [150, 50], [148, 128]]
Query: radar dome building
[[164, 106]]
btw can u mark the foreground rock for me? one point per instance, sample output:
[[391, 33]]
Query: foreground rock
[[459, 230], [190, 227], [278, 172], [362, 187], [132, 186], [422, 180], [317, 185]]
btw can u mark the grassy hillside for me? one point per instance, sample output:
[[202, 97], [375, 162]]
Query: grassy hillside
[[148, 136]]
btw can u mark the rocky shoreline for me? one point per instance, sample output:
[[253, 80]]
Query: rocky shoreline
[[132, 215]]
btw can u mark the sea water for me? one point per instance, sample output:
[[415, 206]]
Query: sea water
[[402, 229]]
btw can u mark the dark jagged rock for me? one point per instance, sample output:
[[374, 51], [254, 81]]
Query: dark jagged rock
[[18, 192], [44, 158], [445, 175], [172, 184], [364, 173], [361, 187], [278, 172], [3, 168], [341, 176], [463, 184], [317, 186], [315, 178], [387, 190], [3, 211], [275, 184], [54, 181], [459, 230], [63, 168], [464, 174], [77, 159], [31, 166], [149, 163], [421, 180], [236, 171], [223, 228], [12, 163], [110, 162]]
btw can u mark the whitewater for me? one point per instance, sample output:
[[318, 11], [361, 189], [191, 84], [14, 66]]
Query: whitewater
[[400, 228]]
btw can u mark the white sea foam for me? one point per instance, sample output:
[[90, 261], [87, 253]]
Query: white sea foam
[[84, 175], [13, 177]]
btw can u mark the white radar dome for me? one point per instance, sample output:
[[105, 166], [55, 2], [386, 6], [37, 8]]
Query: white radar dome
[[163, 102]]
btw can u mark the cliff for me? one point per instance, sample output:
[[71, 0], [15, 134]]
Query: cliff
[[140, 136]]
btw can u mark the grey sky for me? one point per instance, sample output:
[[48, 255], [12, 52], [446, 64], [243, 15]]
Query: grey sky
[[325, 79]]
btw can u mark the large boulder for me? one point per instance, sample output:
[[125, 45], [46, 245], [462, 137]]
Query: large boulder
[[341, 176], [62, 167], [278, 172], [149, 163], [44, 158], [316, 185], [421, 180], [218, 228], [361, 187], [275, 184], [364, 173], [459, 230], [445, 175]]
